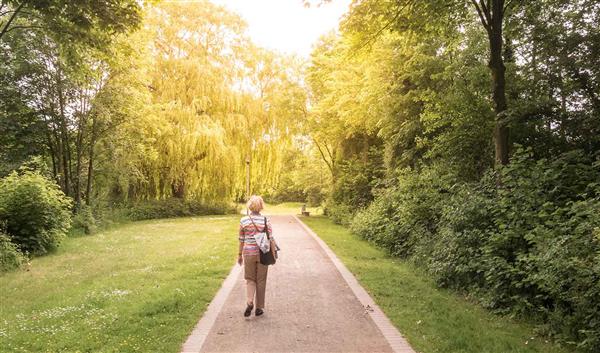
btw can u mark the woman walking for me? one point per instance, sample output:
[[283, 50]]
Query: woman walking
[[255, 273]]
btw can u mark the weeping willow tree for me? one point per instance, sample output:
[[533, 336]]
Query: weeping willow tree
[[216, 100]]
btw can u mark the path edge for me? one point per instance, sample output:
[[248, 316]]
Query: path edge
[[196, 339], [389, 331]]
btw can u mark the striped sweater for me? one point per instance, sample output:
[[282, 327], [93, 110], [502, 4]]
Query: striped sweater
[[248, 230]]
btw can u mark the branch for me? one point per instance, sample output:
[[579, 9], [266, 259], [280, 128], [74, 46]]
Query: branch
[[506, 6], [25, 27], [485, 23], [12, 17], [487, 11], [329, 165], [485, 5], [376, 35], [31, 14], [329, 153]]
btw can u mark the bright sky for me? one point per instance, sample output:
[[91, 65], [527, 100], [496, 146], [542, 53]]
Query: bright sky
[[286, 25]]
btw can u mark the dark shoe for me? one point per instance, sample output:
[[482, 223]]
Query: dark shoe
[[259, 312], [249, 310]]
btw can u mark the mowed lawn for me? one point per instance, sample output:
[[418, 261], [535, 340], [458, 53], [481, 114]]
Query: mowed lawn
[[139, 287], [432, 319], [285, 208]]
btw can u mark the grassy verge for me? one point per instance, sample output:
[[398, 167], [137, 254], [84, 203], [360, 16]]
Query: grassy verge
[[432, 319], [138, 287], [287, 208]]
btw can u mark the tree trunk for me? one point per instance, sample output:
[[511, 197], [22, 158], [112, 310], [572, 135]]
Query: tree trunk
[[11, 19], [178, 189], [79, 147], [59, 154], [498, 70], [51, 149], [88, 190], [64, 136]]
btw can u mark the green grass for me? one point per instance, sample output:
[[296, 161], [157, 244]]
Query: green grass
[[432, 319], [138, 287], [286, 208]]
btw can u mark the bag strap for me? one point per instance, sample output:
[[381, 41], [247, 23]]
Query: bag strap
[[254, 224], [267, 229]]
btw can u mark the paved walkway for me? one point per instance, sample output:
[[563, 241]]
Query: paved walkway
[[312, 305]]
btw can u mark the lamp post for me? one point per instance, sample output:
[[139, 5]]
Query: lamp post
[[247, 177]]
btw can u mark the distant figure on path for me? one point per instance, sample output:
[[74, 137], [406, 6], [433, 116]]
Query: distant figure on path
[[255, 273]]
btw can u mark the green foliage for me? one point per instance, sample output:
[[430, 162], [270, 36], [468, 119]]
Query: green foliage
[[523, 240], [36, 213], [520, 239], [404, 217], [175, 208], [431, 318], [539, 259], [339, 213], [356, 180], [464, 227], [10, 256], [91, 22], [123, 116], [84, 219], [286, 192], [568, 262], [305, 178]]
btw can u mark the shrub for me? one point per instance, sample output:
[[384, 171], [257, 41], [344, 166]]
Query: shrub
[[355, 181], [315, 196], [404, 217], [174, 207], [524, 240], [36, 212], [10, 256], [532, 208], [529, 244], [84, 219], [464, 227], [287, 191], [567, 263], [339, 213]]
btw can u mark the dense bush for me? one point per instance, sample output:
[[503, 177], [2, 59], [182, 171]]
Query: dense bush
[[465, 225], [10, 256], [290, 191], [35, 211], [567, 263], [175, 208], [355, 181], [84, 220], [286, 192], [525, 239], [405, 216], [354, 186], [539, 259], [339, 213], [315, 196]]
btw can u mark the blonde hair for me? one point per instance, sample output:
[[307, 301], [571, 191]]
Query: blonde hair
[[255, 203]]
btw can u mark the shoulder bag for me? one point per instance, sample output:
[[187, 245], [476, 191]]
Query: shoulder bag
[[268, 257]]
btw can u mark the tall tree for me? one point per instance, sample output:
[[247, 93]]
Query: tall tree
[[85, 21], [491, 14]]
